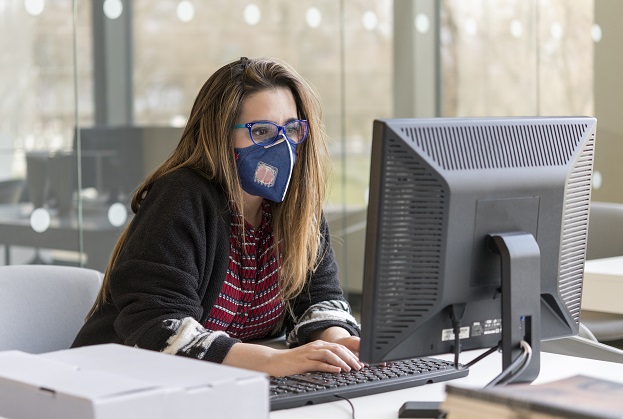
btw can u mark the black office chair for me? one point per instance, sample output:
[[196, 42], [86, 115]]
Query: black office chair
[[12, 191]]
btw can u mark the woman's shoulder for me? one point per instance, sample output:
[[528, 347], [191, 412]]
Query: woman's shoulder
[[188, 179], [185, 185], [185, 174]]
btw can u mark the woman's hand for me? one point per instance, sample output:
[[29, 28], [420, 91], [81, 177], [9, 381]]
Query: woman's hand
[[319, 355], [339, 335], [315, 356]]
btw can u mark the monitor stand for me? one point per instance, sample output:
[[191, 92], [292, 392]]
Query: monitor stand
[[521, 300], [521, 309]]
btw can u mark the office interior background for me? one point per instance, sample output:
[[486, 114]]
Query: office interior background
[[95, 93]]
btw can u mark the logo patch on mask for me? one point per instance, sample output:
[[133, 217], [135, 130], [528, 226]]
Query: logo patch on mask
[[265, 174]]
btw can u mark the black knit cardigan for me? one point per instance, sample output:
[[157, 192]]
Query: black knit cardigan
[[173, 266]]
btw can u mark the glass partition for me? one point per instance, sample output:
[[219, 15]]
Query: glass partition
[[343, 48], [507, 58], [38, 75], [95, 94]]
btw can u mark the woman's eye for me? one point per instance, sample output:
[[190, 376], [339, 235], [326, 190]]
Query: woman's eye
[[260, 131]]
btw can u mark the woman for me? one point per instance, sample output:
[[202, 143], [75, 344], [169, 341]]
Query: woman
[[228, 243]]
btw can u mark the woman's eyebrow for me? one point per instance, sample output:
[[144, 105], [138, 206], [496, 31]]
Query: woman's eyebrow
[[272, 122], [254, 121]]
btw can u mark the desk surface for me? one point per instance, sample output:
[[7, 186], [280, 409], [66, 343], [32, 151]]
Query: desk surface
[[63, 233], [603, 285], [386, 405]]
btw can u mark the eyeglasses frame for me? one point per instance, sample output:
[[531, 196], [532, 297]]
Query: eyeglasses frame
[[281, 129]]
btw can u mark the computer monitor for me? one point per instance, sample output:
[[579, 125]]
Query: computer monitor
[[116, 159], [111, 160], [483, 219]]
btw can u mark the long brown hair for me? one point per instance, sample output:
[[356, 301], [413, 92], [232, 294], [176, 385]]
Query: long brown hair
[[206, 147]]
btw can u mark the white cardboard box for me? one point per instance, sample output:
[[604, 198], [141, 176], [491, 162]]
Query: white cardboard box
[[603, 285], [115, 381]]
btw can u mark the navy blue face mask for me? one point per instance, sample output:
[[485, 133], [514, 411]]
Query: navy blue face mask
[[266, 170]]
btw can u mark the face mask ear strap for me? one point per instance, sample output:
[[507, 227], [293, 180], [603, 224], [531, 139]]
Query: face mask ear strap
[[279, 141]]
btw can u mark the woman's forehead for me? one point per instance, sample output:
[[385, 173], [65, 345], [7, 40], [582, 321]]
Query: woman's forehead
[[277, 105]]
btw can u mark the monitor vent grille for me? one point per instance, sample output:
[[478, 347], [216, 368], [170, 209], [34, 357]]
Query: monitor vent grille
[[410, 233], [411, 226], [497, 146], [575, 229]]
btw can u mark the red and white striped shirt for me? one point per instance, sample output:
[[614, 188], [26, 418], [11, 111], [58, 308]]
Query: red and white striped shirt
[[248, 306]]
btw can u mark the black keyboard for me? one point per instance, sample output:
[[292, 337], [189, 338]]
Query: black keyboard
[[320, 387]]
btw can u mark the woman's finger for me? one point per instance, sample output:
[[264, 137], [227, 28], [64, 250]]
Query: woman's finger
[[338, 355]]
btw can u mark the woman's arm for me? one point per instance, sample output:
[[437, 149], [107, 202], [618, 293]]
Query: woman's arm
[[158, 285], [321, 305], [322, 333], [318, 355]]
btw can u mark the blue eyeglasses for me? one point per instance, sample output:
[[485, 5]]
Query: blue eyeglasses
[[266, 133]]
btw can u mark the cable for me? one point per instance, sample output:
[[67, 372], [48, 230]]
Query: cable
[[515, 368], [457, 347], [352, 407], [481, 356], [456, 314], [528, 351]]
